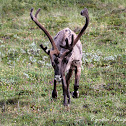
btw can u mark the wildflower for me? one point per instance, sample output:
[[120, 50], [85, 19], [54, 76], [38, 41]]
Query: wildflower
[[108, 58], [32, 59], [2, 46], [48, 65], [45, 57], [22, 51], [26, 75], [40, 62], [1, 41], [51, 82], [15, 36]]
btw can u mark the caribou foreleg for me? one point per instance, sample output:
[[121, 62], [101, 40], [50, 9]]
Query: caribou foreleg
[[68, 76], [54, 92], [64, 86]]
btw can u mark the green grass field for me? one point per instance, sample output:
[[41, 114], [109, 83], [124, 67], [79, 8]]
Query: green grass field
[[26, 75]]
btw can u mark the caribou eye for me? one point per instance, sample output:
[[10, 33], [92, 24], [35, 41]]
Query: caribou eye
[[53, 64], [56, 60], [65, 60]]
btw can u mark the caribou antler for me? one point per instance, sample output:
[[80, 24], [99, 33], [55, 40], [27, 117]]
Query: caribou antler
[[84, 12], [68, 46], [55, 50]]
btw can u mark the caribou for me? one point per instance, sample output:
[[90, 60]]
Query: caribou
[[65, 56]]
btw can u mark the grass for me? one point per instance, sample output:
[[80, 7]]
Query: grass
[[26, 77]]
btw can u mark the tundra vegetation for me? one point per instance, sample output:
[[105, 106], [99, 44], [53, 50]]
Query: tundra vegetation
[[26, 75]]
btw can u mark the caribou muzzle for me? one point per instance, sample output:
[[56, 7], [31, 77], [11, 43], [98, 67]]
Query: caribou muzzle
[[58, 78]]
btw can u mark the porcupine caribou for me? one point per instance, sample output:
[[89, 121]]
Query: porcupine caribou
[[65, 55]]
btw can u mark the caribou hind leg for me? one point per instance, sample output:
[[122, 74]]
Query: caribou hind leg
[[76, 85]]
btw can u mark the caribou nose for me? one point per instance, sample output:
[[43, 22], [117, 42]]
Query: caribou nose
[[58, 78]]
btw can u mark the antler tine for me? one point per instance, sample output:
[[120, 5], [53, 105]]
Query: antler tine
[[68, 46], [44, 30], [37, 12], [45, 49], [72, 41]]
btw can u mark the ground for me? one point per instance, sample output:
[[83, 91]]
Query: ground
[[26, 77]]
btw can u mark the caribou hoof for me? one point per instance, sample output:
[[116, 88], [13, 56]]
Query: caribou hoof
[[54, 94], [75, 94], [65, 104]]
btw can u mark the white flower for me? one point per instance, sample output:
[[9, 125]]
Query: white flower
[[22, 51], [107, 58], [1, 41], [15, 36], [48, 65], [9, 62], [33, 49], [23, 60], [45, 57], [32, 59], [41, 62], [26, 75], [96, 57], [2, 55], [2, 46]]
